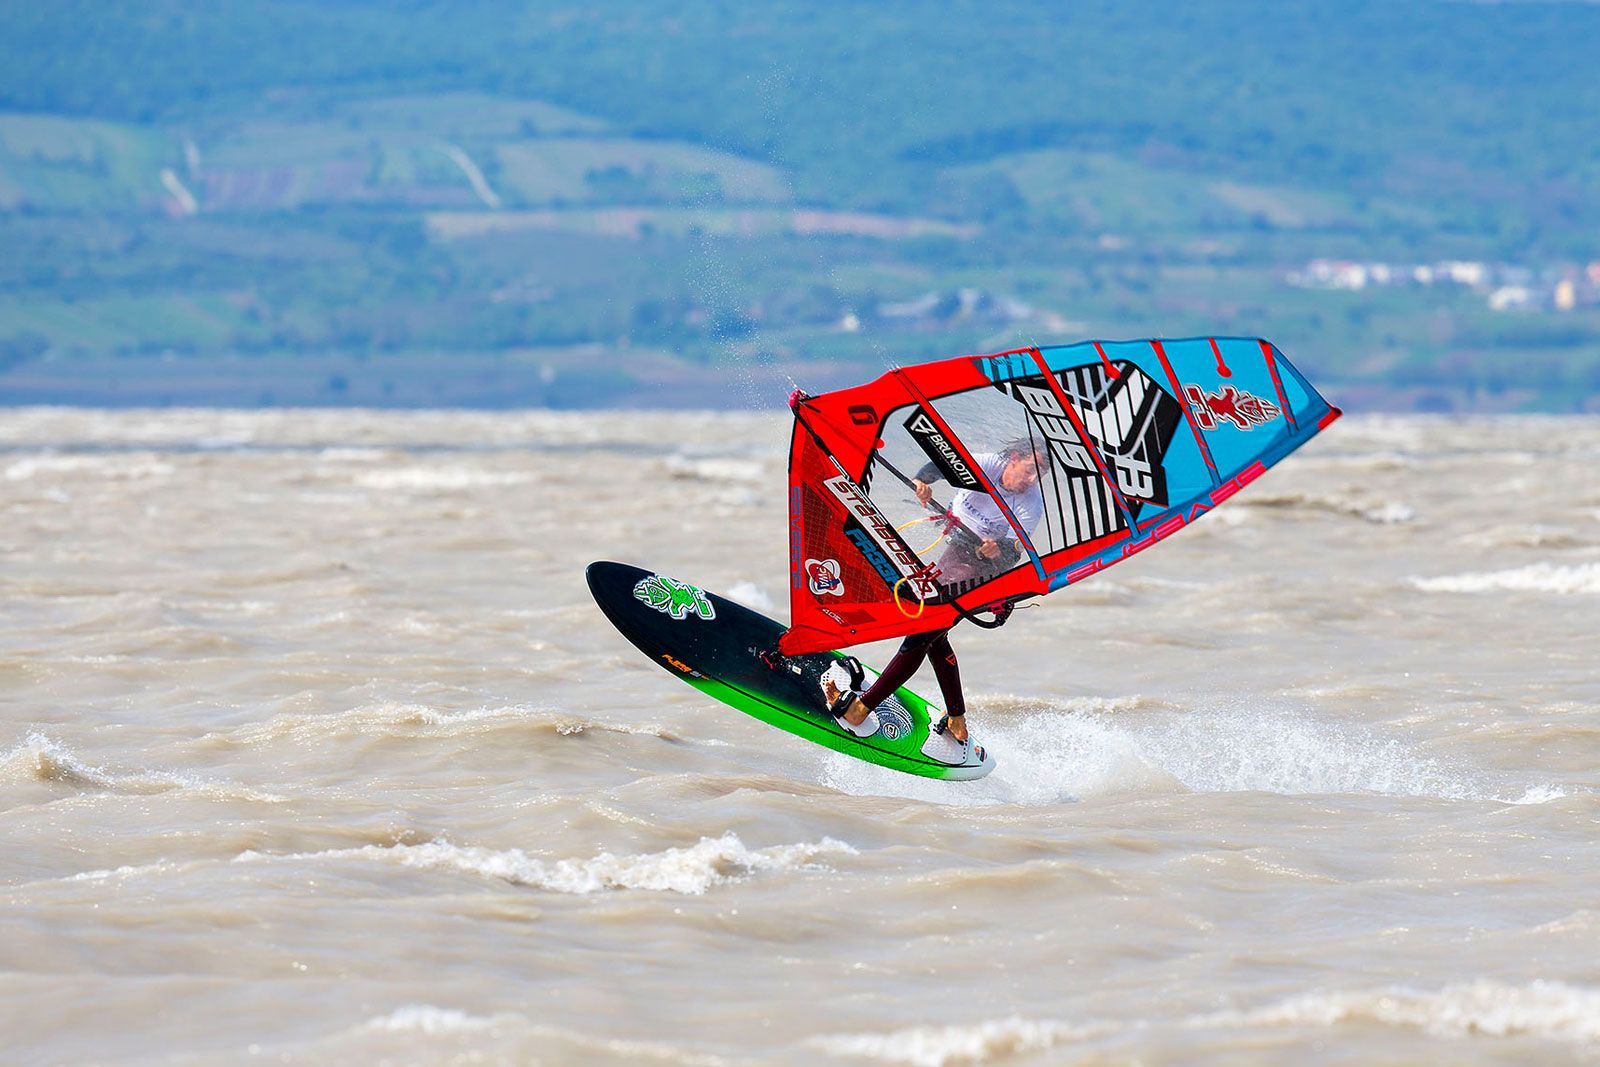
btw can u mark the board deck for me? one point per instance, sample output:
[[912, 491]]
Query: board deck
[[716, 646]]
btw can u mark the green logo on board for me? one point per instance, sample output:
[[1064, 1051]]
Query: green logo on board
[[675, 598]]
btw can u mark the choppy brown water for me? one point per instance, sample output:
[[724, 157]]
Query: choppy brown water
[[314, 750]]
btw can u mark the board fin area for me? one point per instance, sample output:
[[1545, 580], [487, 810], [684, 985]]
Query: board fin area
[[726, 651]]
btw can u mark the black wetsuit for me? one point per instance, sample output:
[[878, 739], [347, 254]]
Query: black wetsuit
[[934, 645]]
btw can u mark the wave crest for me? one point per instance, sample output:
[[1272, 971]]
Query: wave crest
[[945, 1046], [43, 759], [1552, 1010], [1584, 578], [1378, 512], [692, 870], [418, 720]]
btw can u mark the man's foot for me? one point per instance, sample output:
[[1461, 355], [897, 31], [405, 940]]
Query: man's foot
[[856, 712], [845, 704], [954, 725]]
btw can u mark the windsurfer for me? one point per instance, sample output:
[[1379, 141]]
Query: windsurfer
[[982, 542], [982, 546]]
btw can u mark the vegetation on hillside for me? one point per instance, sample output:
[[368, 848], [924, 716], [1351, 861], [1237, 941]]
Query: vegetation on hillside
[[345, 196]]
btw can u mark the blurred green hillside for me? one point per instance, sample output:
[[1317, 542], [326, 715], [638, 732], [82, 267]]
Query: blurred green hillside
[[494, 204]]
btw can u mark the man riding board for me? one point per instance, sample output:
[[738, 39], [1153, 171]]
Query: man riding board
[[982, 546]]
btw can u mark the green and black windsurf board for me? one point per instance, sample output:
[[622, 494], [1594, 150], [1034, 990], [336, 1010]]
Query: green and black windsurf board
[[717, 646]]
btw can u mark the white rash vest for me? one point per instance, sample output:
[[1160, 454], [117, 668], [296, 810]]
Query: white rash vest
[[978, 511]]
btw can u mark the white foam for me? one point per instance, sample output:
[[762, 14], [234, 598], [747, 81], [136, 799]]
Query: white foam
[[120, 468], [437, 479], [1046, 752], [1552, 1010], [1535, 578], [716, 470], [43, 759], [940, 1046], [401, 719], [1228, 517], [1088, 747], [422, 1021], [353, 454], [1274, 751], [125, 871], [692, 870], [429, 1020], [1390, 514], [751, 596], [1539, 794]]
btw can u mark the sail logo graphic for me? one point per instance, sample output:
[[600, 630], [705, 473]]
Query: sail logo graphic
[[941, 451], [673, 597], [1132, 419], [1125, 423], [871, 553], [822, 576], [905, 561], [1244, 410]]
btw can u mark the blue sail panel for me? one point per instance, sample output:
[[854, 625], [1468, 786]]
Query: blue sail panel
[[1190, 420]]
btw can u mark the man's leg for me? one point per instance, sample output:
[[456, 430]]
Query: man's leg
[[948, 672], [913, 650]]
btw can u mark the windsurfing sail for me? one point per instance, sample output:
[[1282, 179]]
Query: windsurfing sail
[[1039, 467]]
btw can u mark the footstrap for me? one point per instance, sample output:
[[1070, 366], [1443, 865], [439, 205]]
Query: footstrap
[[848, 695]]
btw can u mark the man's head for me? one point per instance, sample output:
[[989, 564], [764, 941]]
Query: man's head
[[1023, 462]]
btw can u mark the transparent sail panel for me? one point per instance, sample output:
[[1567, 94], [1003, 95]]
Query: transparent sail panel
[[963, 532], [900, 460]]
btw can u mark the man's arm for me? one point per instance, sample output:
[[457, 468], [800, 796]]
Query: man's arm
[[922, 482]]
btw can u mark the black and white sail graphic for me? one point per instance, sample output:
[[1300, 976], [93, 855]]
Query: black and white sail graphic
[[1129, 420]]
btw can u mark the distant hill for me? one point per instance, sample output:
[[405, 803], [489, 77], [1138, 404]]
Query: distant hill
[[751, 185], [1462, 97]]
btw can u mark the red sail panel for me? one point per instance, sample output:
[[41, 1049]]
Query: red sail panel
[[839, 594], [865, 556]]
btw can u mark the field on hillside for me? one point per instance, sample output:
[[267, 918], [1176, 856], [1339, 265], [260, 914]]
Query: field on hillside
[[726, 189]]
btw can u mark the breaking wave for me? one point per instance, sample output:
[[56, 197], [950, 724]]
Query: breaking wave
[[1551, 1010], [945, 1046], [1539, 794], [1087, 747], [751, 596], [126, 871], [692, 870], [437, 479], [429, 1020], [418, 720], [1534, 578], [118, 468], [1379, 512], [426, 1021], [40, 758], [716, 470]]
